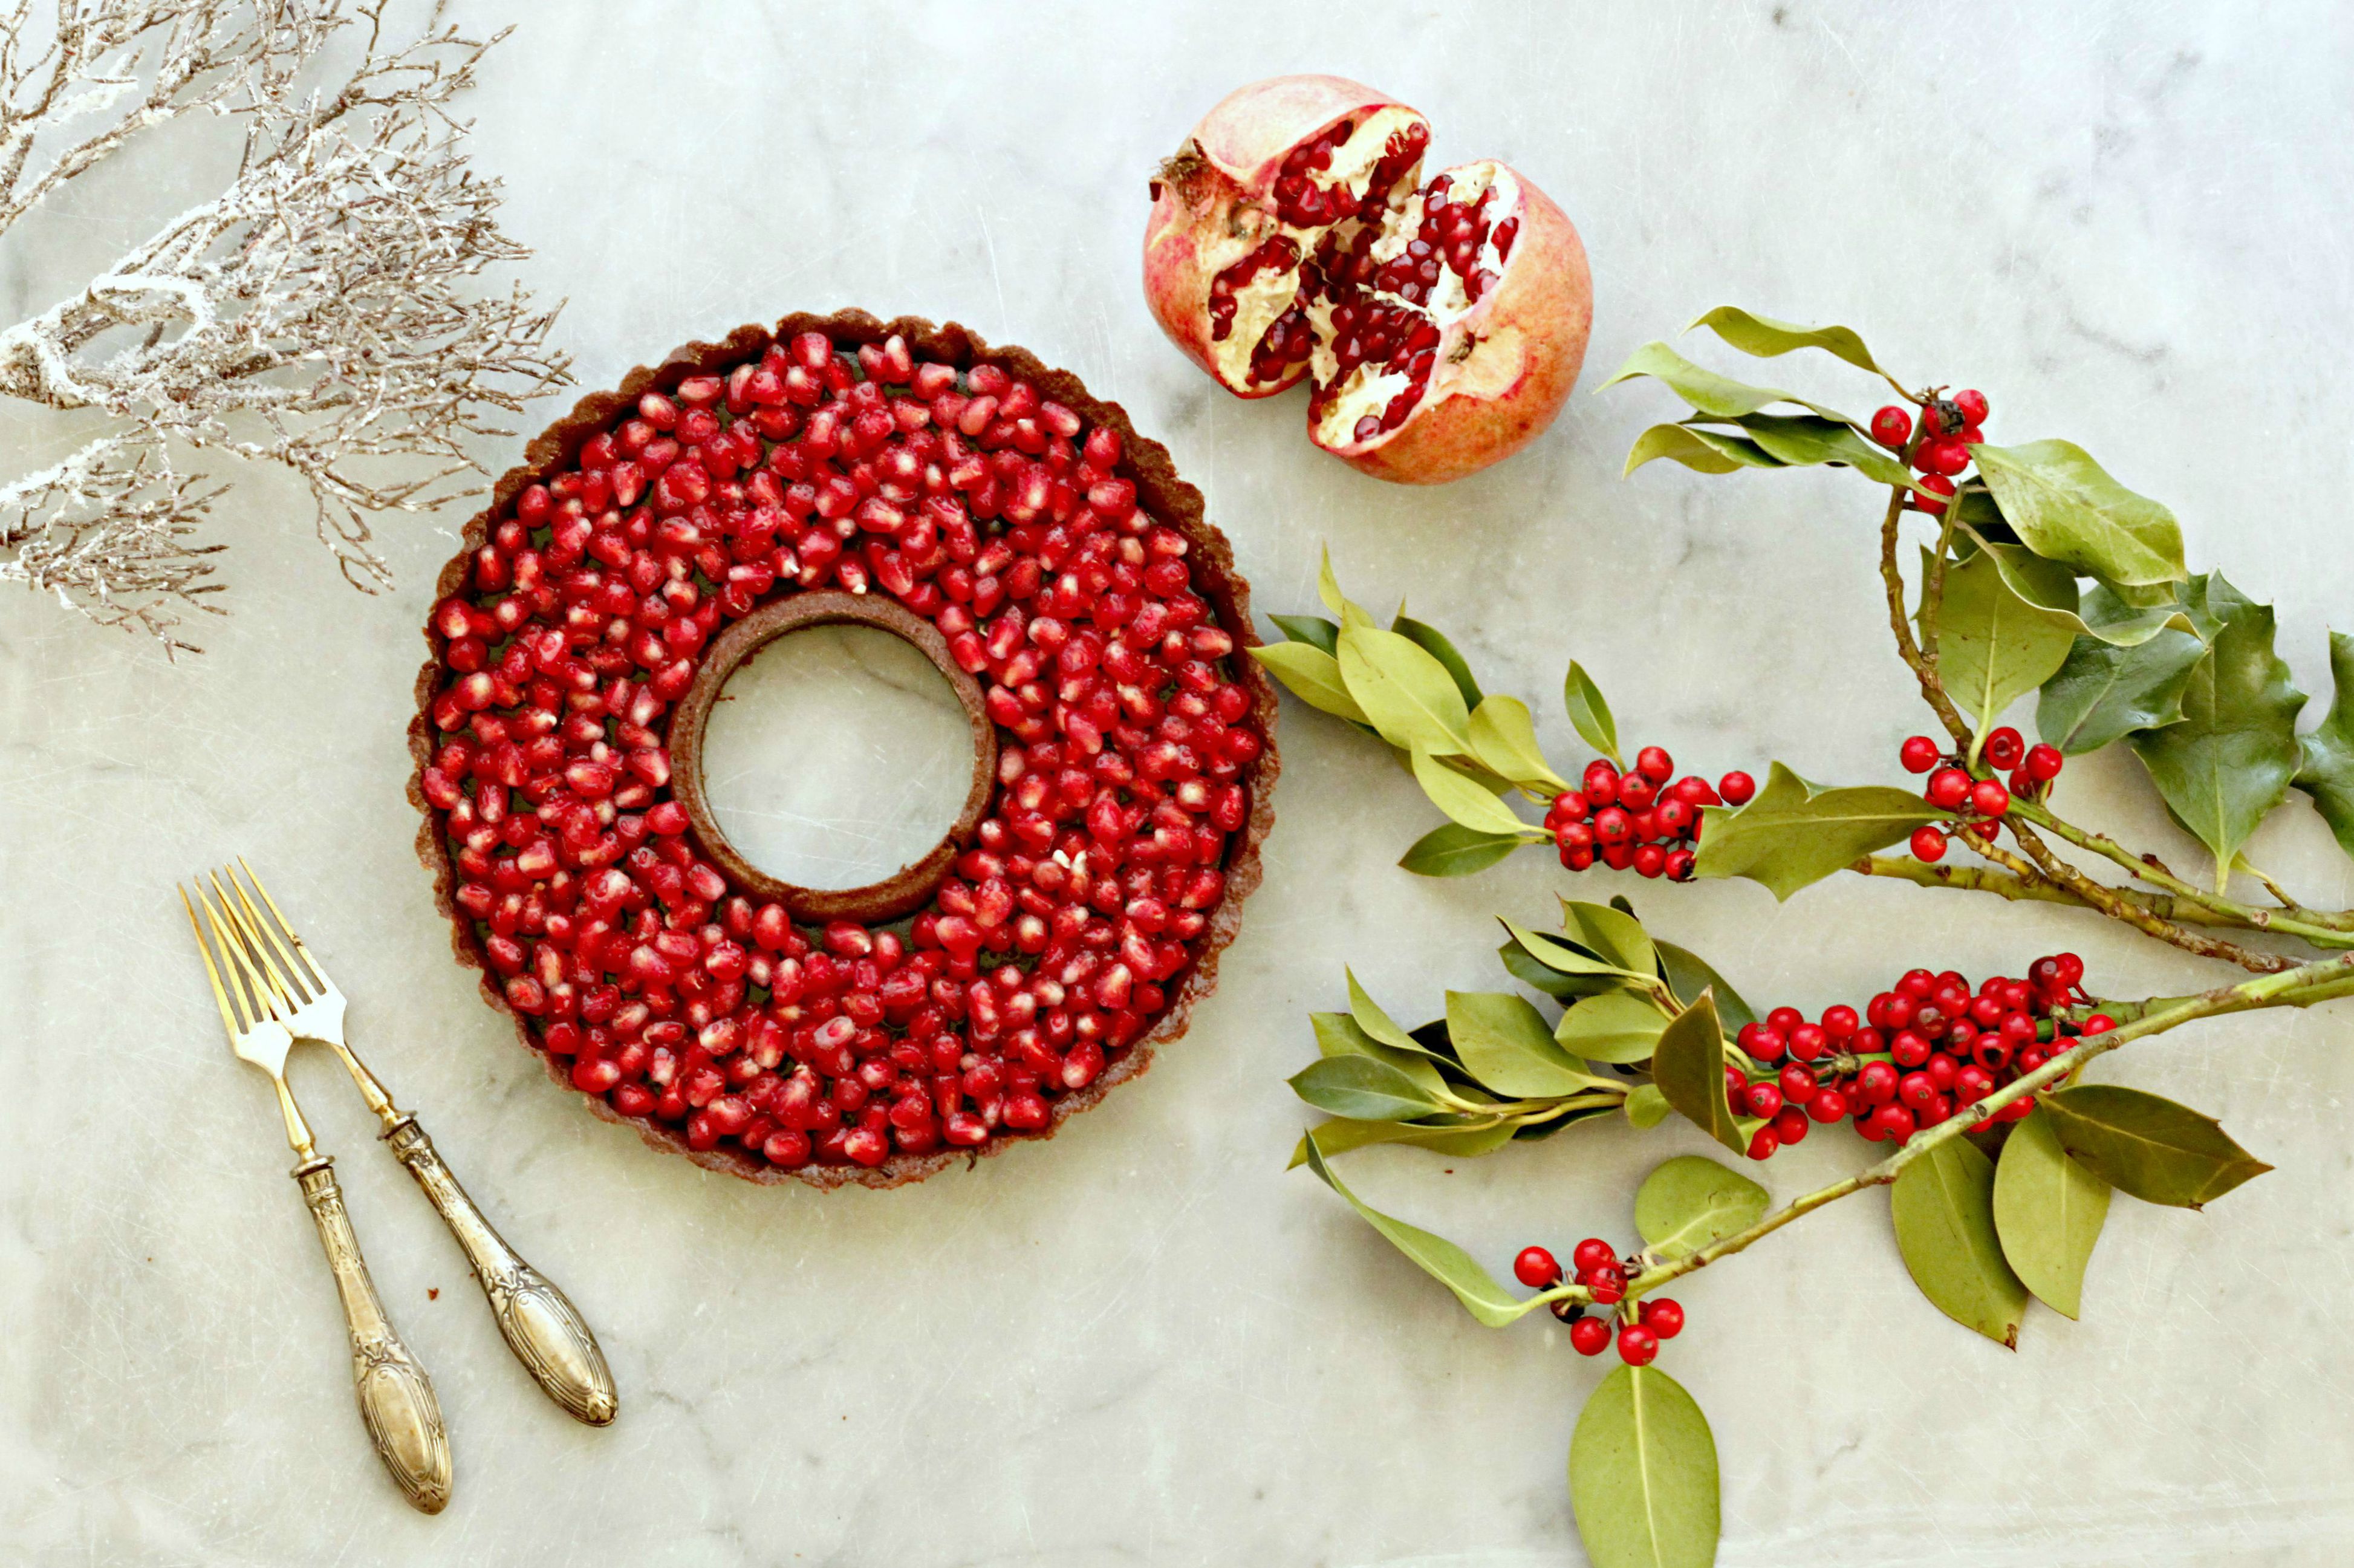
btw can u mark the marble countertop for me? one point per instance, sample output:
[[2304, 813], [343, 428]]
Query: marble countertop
[[1144, 1344]]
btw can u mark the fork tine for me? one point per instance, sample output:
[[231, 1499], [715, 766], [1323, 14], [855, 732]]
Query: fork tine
[[224, 932], [220, 994], [255, 929], [301, 951]]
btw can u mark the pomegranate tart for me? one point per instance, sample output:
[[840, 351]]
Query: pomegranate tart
[[1061, 577]]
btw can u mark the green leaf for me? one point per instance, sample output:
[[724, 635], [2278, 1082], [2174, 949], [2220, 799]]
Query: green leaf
[[2326, 767], [1370, 1018], [2066, 508], [1693, 1201], [1435, 1256], [1705, 390], [1555, 953], [2128, 618], [1612, 935], [1646, 1107], [2229, 760], [1538, 976], [1312, 675], [1707, 451], [2103, 692], [2148, 1146], [1993, 647], [1434, 642], [2047, 1211], [1765, 338], [1405, 692], [1588, 712], [1804, 441], [1361, 1088], [1462, 1136], [1504, 738], [1616, 1026], [1688, 1067], [1504, 1044], [1312, 630], [1327, 588], [1462, 800], [1943, 1206], [1788, 837], [1340, 1035], [1453, 849], [1642, 1475], [1688, 975]]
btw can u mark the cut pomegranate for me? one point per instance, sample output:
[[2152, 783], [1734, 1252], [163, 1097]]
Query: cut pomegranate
[[1442, 325], [1065, 568]]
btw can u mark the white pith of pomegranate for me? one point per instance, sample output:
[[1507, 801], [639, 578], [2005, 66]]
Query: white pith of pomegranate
[[1442, 326]]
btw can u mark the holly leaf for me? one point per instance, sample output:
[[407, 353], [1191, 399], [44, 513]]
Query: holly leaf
[[1378, 1025], [1616, 1026], [1688, 1065], [1690, 1202], [1435, 643], [1646, 1107], [2325, 757], [1460, 1137], [1943, 1207], [1612, 935], [1805, 440], [1567, 958], [1504, 1044], [1460, 799], [1405, 692], [1788, 836], [1312, 630], [1589, 715], [1704, 452], [1340, 1035], [2048, 1211], [2103, 692], [1453, 849], [1765, 338], [2228, 761], [1435, 1256], [1993, 647], [1642, 1475], [1720, 397], [2148, 1146], [1312, 675], [1554, 982], [2066, 508], [1688, 975], [1361, 1088], [1504, 738], [1327, 588]]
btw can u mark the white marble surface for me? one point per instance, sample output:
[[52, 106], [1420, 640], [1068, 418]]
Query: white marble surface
[[1143, 1343]]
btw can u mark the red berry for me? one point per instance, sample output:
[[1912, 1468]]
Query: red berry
[[1937, 484], [2071, 968], [1790, 1125], [1590, 1335], [1796, 1082], [1762, 1041], [1919, 754], [1569, 806], [1638, 1345], [1892, 425], [1876, 1083], [1988, 797], [1612, 825], [1948, 788], [1535, 1268], [1653, 763], [2099, 1024], [1971, 404], [1830, 1105], [1601, 782], [1894, 1121], [1946, 455], [1680, 865], [1928, 843], [1663, 1316], [1591, 1253], [1808, 1042], [1607, 1287], [1764, 1144], [1764, 1100], [1839, 1023], [1736, 788], [2004, 747], [2043, 763]]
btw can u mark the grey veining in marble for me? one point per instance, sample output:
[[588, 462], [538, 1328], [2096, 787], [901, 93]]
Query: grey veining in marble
[[1144, 1344]]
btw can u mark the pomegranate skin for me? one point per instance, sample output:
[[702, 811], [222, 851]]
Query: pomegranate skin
[[1213, 205], [1529, 342]]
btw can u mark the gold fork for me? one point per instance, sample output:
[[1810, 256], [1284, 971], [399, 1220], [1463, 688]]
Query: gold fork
[[395, 1397], [539, 1322]]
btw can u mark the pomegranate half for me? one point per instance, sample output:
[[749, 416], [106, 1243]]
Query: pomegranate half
[[1441, 325]]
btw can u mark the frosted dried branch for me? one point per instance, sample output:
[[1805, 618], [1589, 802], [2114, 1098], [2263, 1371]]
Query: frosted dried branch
[[321, 314]]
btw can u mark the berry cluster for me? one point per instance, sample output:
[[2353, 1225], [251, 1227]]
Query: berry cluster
[[1603, 1274], [1922, 1050], [1939, 449], [1125, 744], [1979, 804], [1639, 819]]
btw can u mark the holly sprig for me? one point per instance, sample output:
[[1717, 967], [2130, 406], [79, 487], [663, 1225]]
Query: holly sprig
[[2039, 575]]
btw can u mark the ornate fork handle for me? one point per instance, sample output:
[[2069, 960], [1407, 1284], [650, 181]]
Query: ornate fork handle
[[395, 1397], [541, 1325]]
